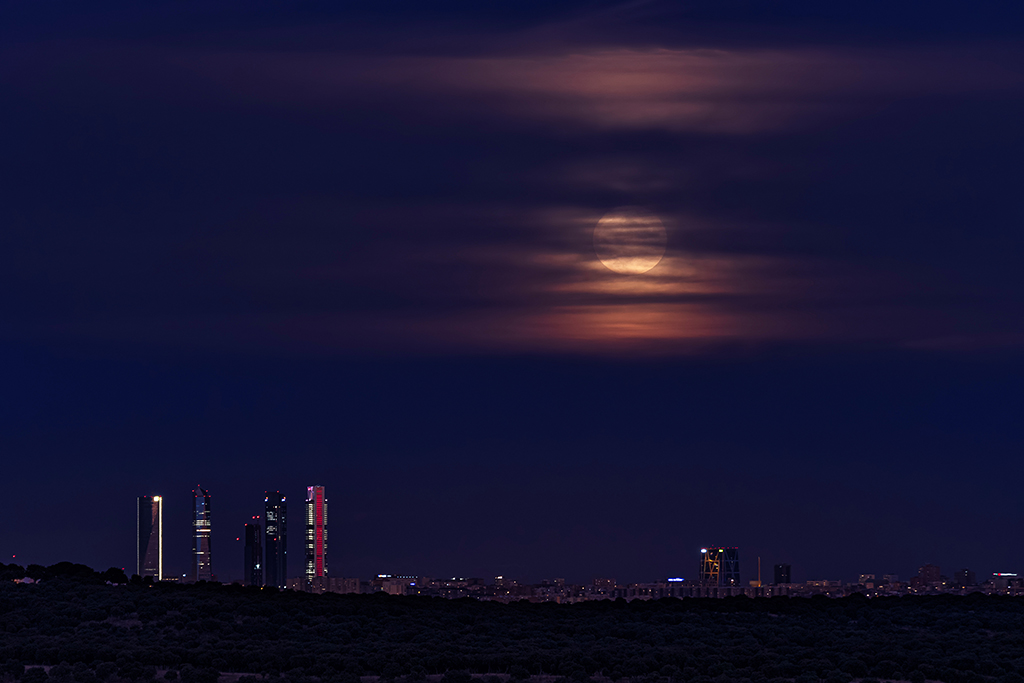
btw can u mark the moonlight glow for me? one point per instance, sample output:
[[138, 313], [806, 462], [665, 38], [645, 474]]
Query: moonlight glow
[[630, 240]]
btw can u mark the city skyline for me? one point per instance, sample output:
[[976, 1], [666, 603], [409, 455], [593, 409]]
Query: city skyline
[[717, 566]]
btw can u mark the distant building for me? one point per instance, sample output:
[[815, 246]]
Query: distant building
[[253, 554], [202, 554], [782, 574], [964, 578], [324, 584], [392, 584], [720, 566], [316, 532], [342, 585], [149, 525], [929, 574], [276, 519], [503, 584], [1005, 580]]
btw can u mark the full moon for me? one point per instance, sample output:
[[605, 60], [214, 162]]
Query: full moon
[[630, 240]]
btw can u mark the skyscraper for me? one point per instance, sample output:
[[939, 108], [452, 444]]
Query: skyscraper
[[277, 539], [316, 533], [782, 574], [149, 523], [720, 566], [253, 566], [202, 561]]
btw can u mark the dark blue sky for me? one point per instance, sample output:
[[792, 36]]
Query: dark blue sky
[[257, 246]]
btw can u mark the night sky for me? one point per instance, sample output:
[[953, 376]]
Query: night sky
[[263, 245]]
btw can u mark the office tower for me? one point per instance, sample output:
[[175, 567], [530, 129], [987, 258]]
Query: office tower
[[720, 566], [316, 533], [149, 523], [253, 566], [782, 574], [276, 516], [202, 561]]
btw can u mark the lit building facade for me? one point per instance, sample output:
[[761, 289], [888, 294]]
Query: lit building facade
[[720, 566], [149, 558], [202, 552], [276, 520], [253, 553], [316, 533]]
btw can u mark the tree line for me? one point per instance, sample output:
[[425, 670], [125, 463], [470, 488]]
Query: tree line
[[86, 631]]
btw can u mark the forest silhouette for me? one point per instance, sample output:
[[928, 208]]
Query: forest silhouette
[[73, 626]]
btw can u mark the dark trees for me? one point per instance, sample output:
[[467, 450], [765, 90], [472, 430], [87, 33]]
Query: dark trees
[[94, 633]]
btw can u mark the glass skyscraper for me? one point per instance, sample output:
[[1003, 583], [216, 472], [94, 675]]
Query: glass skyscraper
[[202, 562], [253, 554], [149, 558], [276, 565], [316, 533], [719, 566]]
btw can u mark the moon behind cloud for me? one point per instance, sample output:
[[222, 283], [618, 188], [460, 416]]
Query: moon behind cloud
[[630, 240]]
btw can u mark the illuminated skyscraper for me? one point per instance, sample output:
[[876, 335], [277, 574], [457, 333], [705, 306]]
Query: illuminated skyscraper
[[202, 561], [720, 566], [276, 565], [316, 533], [253, 554], [149, 558], [782, 574]]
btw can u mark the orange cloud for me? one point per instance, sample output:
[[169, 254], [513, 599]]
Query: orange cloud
[[722, 91]]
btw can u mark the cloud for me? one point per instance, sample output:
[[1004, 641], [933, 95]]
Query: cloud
[[385, 201], [734, 91]]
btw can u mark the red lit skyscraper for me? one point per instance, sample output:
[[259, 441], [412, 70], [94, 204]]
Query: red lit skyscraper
[[316, 533]]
